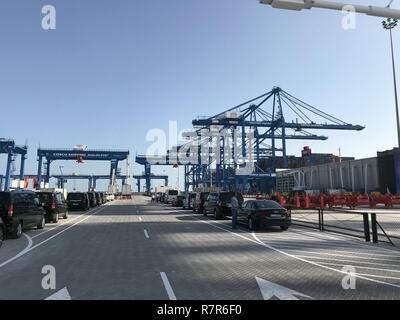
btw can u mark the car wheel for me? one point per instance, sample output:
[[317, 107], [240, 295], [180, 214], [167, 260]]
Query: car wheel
[[2, 236], [56, 217], [41, 224], [216, 216], [283, 228], [65, 216], [17, 231], [252, 224]]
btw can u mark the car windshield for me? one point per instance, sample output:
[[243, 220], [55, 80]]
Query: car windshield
[[204, 195], [173, 192], [45, 197], [4, 199], [75, 196], [268, 204], [227, 196]]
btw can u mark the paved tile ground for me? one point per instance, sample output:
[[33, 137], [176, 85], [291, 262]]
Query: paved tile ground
[[119, 251]]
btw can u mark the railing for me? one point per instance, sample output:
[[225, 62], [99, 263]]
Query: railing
[[359, 224]]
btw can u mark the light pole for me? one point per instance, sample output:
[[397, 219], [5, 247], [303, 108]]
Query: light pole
[[389, 24]]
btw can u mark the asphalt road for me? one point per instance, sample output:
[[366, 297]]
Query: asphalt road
[[138, 250]]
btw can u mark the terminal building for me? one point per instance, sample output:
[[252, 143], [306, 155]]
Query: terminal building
[[376, 174]]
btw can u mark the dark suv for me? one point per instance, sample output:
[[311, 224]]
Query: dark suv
[[92, 199], [21, 209], [2, 231], [98, 198], [78, 201], [54, 204], [198, 204], [219, 203]]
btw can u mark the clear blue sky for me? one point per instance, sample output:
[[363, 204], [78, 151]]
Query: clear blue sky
[[115, 69]]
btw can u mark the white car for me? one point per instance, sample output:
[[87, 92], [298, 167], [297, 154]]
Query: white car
[[110, 197]]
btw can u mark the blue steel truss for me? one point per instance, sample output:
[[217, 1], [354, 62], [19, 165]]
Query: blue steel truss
[[9, 147], [114, 156]]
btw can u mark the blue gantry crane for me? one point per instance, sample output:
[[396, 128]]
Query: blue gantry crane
[[92, 179], [50, 155], [266, 116], [8, 146], [151, 177], [268, 120]]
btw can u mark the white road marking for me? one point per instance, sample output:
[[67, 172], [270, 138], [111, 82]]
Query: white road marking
[[359, 267], [62, 294], [57, 226], [348, 255], [30, 247], [317, 246], [378, 276], [259, 242], [348, 261], [146, 234], [269, 290], [21, 253], [167, 285]]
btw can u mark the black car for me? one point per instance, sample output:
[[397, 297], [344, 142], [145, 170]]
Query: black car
[[54, 204], [98, 198], [92, 199], [178, 201], [198, 204], [19, 210], [103, 197], [2, 232], [219, 203], [264, 213], [78, 201]]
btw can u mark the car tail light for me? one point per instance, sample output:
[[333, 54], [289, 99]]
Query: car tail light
[[53, 205], [10, 210]]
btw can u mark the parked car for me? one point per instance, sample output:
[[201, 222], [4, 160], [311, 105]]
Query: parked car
[[264, 213], [110, 197], [2, 232], [78, 201], [171, 195], [54, 204], [219, 203], [198, 204], [19, 210], [189, 200], [178, 201], [98, 198], [92, 199], [103, 197]]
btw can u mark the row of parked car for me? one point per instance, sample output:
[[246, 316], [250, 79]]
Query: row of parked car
[[255, 213], [24, 209]]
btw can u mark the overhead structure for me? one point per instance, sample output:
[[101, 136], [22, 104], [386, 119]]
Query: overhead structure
[[152, 177], [148, 160], [92, 179], [8, 146], [384, 12], [257, 131], [79, 155], [269, 121]]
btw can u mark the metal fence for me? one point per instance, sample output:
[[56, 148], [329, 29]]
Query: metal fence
[[371, 225]]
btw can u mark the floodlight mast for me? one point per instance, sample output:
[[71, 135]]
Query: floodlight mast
[[384, 12]]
